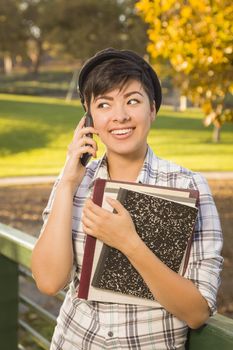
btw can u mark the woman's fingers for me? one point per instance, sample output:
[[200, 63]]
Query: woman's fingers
[[87, 149], [79, 133], [96, 209], [87, 223], [89, 213], [79, 145], [81, 142], [87, 230], [81, 130], [86, 144], [79, 127], [75, 144], [114, 229], [115, 204]]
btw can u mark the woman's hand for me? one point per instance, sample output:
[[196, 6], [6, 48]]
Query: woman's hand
[[74, 171], [115, 229]]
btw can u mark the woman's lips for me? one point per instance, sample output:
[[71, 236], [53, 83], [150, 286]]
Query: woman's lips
[[123, 132]]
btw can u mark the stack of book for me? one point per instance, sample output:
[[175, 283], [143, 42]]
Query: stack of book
[[164, 218]]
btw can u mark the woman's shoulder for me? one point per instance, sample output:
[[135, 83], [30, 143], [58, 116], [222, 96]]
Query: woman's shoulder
[[174, 174]]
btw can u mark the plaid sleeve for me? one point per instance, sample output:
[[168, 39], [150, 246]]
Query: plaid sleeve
[[205, 262], [48, 207]]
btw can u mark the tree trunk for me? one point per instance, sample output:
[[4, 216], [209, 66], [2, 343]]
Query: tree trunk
[[216, 133], [183, 103], [37, 61], [8, 64], [72, 86], [176, 100]]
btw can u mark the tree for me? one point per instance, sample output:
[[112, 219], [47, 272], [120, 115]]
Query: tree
[[39, 17], [133, 28], [86, 26], [196, 37], [70, 28], [13, 32]]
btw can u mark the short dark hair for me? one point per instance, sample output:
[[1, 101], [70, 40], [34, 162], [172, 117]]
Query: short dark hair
[[113, 73]]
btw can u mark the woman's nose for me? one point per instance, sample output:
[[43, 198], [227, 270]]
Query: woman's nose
[[121, 114]]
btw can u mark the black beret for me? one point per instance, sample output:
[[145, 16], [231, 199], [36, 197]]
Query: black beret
[[110, 53]]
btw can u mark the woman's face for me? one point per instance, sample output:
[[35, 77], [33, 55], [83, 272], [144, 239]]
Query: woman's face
[[123, 119]]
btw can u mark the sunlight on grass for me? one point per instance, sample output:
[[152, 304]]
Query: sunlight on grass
[[35, 133], [36, 99]]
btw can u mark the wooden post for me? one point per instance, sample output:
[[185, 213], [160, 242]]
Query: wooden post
[[8, 304]]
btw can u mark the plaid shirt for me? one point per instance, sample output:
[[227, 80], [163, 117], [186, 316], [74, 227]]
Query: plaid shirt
[[88, 325]]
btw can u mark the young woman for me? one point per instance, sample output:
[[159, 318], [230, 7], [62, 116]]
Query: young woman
[[123, 95]]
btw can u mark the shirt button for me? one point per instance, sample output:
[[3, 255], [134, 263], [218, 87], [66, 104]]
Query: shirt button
[[110, 334]]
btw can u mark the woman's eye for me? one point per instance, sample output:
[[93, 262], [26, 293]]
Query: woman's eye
[[133, 101], [103, 105]]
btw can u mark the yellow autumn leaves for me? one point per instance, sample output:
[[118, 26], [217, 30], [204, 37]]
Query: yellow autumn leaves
[[183, 29], [196, 37]]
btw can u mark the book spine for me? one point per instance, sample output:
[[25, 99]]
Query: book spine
[[90, 246]]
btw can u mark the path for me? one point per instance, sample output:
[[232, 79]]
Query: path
[[30, 180]]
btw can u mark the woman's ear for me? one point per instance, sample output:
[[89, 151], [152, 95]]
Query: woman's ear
[[153, 112], [85, 105]]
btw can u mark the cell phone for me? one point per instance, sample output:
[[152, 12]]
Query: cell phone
[[88, 122]]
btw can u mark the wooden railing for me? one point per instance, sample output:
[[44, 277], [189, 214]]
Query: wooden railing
[[21, 316], [15, 252]]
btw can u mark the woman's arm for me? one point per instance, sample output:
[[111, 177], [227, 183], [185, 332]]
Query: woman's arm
[[52, 256], [177, 294]]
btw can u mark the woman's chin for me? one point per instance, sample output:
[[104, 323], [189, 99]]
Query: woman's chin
[[132, 153]]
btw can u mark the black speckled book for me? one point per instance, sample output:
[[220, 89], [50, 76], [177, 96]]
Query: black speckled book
[[164, 225], [103, 188]]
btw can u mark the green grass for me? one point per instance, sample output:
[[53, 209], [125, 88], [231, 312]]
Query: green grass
[[35, 133]]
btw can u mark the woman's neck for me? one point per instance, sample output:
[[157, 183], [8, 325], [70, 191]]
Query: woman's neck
[[123, 168]]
